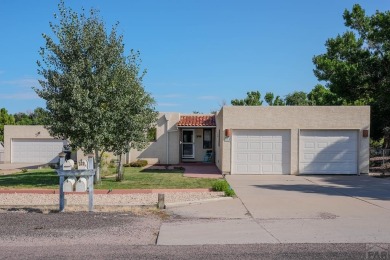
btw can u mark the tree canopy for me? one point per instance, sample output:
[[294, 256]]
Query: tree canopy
[[297, 98], [94, 93], [322, 96], [271, 101], [37, 117], [356, 65], [253, 99], [5, 119]]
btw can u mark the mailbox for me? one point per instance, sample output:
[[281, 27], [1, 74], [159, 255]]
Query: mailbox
[[82, 165], [81, 185], [69, 184], [68, 165], [84, 183]]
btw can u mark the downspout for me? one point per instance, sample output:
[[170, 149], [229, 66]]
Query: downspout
[[167, 133]]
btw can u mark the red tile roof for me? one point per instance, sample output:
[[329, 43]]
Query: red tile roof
[[195, 120]]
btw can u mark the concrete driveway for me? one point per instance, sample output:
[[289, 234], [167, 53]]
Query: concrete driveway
[[289, 209], [289, 197]]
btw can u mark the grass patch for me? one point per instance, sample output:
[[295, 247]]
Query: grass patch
[[137, 178], [134, 178], [223, 185], [42, 179]]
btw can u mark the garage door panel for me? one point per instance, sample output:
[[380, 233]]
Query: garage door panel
[[268, 152], [267, 169], [242, 145], [328, 152], [254, 157], [36, 150], [333, 168], [278, 157], [328, 157], [242, 167], [241, 157], [254, 145], [267, 158], [267, 146], [253, 168]]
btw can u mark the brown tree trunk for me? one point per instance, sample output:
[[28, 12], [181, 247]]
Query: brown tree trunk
[[97, 167], [120, 176]]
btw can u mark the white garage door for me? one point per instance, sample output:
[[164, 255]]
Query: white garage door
[[261, 152], [328, 152], [36, 150]]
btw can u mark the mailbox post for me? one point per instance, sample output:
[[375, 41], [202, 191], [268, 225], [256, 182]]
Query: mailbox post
[[87, 173]]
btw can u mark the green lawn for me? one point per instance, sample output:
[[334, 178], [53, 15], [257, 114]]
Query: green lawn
[[135, 178]]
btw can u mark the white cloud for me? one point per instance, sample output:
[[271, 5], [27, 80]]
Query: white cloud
[[209, 97], [20, 96], [23, 82], [171, 96]]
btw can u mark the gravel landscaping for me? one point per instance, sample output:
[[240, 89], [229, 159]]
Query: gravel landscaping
[[66, 231], [25, 199]]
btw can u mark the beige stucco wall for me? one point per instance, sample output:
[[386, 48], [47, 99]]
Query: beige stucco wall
[[219, 139], [295, 118], [156, 152], [31, 132]]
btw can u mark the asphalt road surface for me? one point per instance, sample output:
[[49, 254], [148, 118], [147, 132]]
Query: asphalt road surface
[[25, 234], [261, 251]]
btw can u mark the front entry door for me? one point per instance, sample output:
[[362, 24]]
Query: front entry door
[[188, 149]]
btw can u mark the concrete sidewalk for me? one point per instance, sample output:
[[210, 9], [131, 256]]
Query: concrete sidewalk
[[288, 209]]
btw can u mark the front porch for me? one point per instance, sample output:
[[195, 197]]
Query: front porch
[[197, 138]]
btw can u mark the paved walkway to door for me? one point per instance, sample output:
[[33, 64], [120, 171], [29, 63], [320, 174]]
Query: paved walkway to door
[[201, 170]]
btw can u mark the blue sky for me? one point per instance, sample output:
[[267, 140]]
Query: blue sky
[[198, 53]]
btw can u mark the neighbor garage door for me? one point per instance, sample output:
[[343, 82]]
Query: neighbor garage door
[[261, 152], [328, 152], [36, 150]]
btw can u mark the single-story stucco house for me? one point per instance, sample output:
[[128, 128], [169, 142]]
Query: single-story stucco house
[[238, 139], [1, 152]]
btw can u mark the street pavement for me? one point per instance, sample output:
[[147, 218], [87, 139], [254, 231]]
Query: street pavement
[[287, 209], [210, 252]]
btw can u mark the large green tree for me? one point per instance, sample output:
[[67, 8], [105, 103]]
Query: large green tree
[[356, 65], [297, 98], [272, 100], [5, 119], [253, 98], [94, 93], [322, 96], [37, 117]]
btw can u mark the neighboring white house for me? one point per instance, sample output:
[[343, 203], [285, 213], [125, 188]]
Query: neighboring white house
[[30, 144], [238, 139]]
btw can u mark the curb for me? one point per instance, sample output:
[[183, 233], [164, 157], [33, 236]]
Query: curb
[[167, 205], [194, 202], [97, 192]]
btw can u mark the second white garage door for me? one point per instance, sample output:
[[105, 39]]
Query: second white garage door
[[328, 152], [36, 150], [261, 152]]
